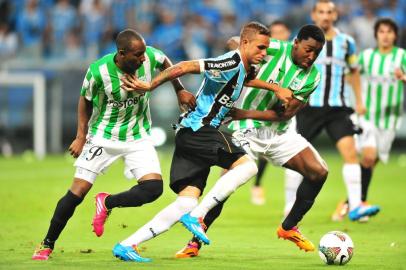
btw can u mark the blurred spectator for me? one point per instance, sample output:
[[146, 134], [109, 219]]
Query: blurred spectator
[[197, 37], [362, 27], [30, 26], [121, 14], [168, 36], [63, 18], [73, 50], [94, 22], [8, 42], [393, 9]]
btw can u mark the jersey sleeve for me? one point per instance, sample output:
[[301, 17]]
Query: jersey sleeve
[[304, 93], [221, 68], [351, 56], [274, 47], [361, 61], [88, 86], [157, 57], [403, 65]]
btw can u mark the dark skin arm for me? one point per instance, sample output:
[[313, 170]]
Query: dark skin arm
[[284, 94], [84, 113], [269, 115]]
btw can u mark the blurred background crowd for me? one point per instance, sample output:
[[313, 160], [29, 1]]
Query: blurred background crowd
[[60, 38], [77, 29]]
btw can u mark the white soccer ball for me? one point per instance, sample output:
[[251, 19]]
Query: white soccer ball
[[336, 248]]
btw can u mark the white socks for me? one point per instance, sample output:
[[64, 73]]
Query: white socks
[[292, 182], [226, 185], [352, 180], [162, 221]]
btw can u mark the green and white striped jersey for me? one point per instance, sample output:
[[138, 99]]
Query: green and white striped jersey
[[279, 68], [118, 114], [382, 92]]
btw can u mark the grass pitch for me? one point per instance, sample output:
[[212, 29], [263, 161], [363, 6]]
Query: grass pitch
[[243, 238]]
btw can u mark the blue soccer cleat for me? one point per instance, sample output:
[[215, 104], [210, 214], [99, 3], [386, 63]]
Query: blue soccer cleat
[[196, 226], [364, 210], [127, 253]]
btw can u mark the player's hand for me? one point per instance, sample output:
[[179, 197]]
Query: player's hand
[[360, 108], [76, 147], [283, 94], [186, 100], [132, 83], [399, 75], [237, 114]]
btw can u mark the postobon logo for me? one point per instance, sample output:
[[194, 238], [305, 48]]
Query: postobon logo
[[124, 103]]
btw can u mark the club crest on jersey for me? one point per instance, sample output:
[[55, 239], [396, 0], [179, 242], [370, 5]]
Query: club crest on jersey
[[215, 73], [142, 78], [295, 84]]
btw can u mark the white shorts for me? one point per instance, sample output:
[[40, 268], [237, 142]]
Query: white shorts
[[277, 147], [140, 158], [380, 139]]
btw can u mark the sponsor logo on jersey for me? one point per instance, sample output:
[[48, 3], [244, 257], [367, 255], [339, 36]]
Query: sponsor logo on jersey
[[221, 65], [226, 101], [124, 103]]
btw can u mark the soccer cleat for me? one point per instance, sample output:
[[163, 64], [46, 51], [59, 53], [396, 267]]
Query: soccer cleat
[[341, 211], [101, 215], [296, 237], [364, 210], [196, 226], [127, 253], [257, 195], [189, 251], [42, 253]]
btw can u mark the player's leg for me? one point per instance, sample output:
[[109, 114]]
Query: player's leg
[[63, 212], [341, 130], [292, 182], [368, 162], [193, 246], [257, 191], [314, 170], [142, 163], [188, 178]]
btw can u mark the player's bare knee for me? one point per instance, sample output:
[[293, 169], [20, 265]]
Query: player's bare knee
[[318, 173], [368, 162]]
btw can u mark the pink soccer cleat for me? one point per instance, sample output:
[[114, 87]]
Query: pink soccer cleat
[[101, 215], [42, 253]]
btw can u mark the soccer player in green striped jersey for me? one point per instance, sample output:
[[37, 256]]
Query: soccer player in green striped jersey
[[263, 127], [114, 124], [383, 74]]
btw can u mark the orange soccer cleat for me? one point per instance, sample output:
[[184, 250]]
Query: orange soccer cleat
[[296, 237], [189, 251]]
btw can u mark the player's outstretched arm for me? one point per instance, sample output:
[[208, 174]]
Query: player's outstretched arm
[[284, 94], [84, 113], [185, 98], [276, 115], [176, 71], [131, 83], [354, 79]]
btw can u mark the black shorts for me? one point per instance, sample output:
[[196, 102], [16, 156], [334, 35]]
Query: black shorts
[[196, 151], [336, 120]]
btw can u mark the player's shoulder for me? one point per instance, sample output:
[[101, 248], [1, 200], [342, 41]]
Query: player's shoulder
[[153, 50], [346, 37], [102, 60], [229, 60]]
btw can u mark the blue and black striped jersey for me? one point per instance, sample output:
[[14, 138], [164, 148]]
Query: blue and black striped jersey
[[222, 84], [338, 55]]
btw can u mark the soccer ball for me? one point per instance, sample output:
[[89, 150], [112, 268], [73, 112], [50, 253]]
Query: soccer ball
[[336, 248]]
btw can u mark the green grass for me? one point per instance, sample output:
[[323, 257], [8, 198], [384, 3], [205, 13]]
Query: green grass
[[243, 238]]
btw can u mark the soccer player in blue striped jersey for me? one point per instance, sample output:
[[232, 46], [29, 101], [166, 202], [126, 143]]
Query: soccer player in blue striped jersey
[[199, 144], [329, 107], [113, 124]]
